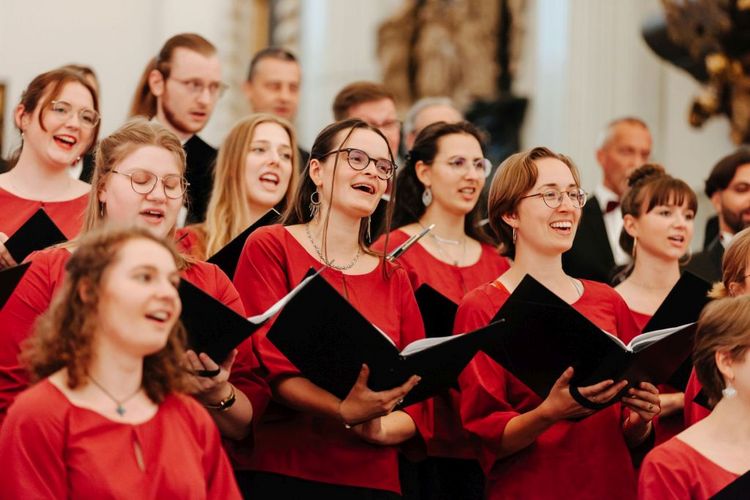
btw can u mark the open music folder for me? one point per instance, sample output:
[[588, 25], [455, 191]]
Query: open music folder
[[544, 335], [328, 340], [438, 311], [37, 233]]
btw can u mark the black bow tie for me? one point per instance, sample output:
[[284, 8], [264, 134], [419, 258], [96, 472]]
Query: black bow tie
[[612, 205]]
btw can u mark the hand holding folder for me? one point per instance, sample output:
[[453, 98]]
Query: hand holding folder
[[328, 340], [544, 336], [37, 233]]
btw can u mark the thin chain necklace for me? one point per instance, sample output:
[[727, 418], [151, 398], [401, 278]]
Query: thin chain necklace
[[325, 261], [438, 241], [120, 409]]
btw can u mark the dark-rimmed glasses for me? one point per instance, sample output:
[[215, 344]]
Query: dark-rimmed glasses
[[64, 110], [144, 182], [359, 160], [553, 197]]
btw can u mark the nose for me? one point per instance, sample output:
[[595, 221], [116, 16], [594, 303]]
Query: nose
[[73, 121], [472, 172], [205, 96], [158, 192]]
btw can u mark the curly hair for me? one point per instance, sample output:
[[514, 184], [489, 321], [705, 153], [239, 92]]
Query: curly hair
[[63, 336]]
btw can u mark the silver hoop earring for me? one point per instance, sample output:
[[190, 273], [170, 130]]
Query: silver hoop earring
[[427, 196], [314, 204], [369, 223], [101, 210], [635, 244], [515, 235]]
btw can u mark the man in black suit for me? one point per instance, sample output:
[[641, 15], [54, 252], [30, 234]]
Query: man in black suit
[[186, 84], [272, 86], [624, 144], [728, 187]]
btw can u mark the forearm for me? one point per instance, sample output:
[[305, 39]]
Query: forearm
[[236, 422], [391, 429], [671, 403], [635, 431], [523, 430], [301, 394]]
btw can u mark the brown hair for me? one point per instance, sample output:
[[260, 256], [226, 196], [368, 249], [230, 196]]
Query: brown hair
[[733, 264], [513, 180], [357, 93], [228, 214], [327, 141], [52, 83], [115, 148], [144, 102], [724, 326], [725, 169], [64, 335], [650, 186], [278, 53]]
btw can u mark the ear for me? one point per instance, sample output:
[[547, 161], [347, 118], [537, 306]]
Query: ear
[[21, 117], [600, 156], [724, 364], [716, 201], [511, 219], [315, 172], [156, 82], [424, 173], [630, 225], [736, 289], [247, 89], [85, 292]]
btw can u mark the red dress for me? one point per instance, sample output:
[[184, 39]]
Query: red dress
[[33, 295], [694, 412], [665, 428], [588, 459], [54, 449], [676, 470], [67, 215], [448, 438], [303, 445]]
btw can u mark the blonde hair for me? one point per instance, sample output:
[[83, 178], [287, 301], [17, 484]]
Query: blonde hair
[[515, 177], [733, 264], [113, 149], [228, 212]]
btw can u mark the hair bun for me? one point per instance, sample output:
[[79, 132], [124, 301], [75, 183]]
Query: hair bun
[[644, 173]]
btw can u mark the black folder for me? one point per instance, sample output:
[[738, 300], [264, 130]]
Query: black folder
[[214, 328], [9, 279], [544, 335], [229, 255], [328, 340], [438, 311], [36, 233], [739, 489]]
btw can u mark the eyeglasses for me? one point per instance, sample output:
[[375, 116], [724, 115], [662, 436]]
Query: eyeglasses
[[64, 110], [553, 197], [196, 87], [144, 182], [359, 160], [483, 166]]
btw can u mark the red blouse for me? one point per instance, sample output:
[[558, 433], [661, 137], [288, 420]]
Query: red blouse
[[676, 470], [448, 437], [53, 449], [67, 215], [694, 412], [588, 459], [34, 293], [299, 444]]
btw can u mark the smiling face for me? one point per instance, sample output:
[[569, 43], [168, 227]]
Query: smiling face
[[546, 230], [268, 166], [153, 211], [138, 300], [664, 232], [454, 179], [355, 193], [65, 138]]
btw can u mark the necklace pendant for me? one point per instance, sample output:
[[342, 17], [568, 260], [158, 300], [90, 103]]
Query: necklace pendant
[[120, 410]]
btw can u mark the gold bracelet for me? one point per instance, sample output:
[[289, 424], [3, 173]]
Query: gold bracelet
[[225, 403]]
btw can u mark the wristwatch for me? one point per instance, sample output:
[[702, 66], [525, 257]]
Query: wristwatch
[[225, 403]]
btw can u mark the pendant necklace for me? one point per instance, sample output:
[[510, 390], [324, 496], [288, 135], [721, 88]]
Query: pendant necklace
[[120, 409], [325, 261]]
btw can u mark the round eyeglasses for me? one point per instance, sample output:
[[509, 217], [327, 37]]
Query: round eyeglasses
[[359, 160], [144, 182], [553, 197], [64, 110]]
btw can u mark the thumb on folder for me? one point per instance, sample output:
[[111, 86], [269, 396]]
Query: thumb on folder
[[363, 404]]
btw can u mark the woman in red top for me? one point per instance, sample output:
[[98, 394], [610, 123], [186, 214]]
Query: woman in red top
[[58, 119], [702, 460], [441, 183], [107, 418], [530, 448], [314, 445], [256, 170], [735, 282], [658, 212], [138, 180]]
